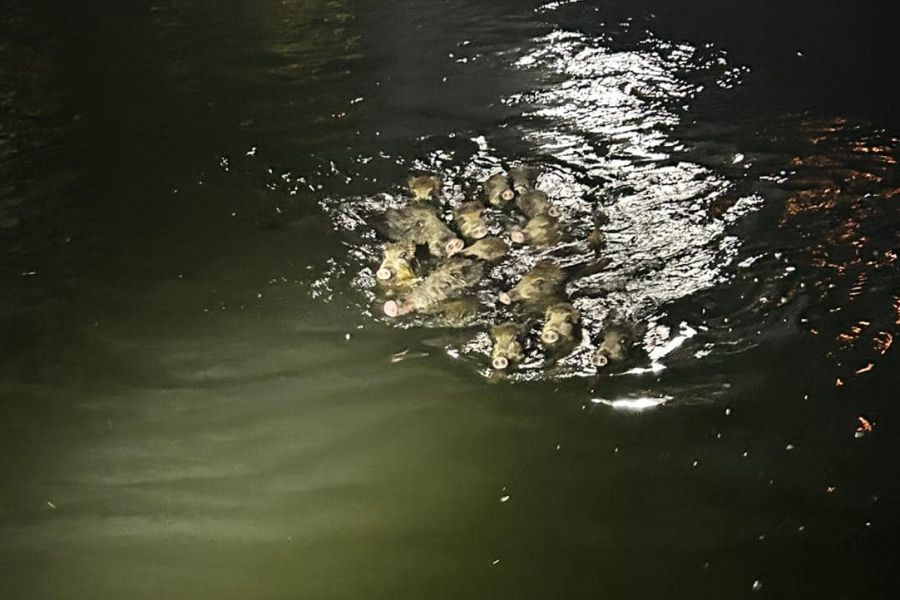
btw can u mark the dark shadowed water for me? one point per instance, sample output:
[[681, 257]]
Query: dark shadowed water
[[197, 392]]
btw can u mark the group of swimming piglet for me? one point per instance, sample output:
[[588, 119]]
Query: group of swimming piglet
[[459, 254]]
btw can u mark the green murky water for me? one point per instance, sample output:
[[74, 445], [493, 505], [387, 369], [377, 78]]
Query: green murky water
[[197, 398]]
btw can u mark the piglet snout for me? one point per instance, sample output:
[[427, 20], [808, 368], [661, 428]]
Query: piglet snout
[[454, 246], [550, 337]]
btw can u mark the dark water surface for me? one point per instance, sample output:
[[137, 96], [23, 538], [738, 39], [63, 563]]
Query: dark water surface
[[196, 393]]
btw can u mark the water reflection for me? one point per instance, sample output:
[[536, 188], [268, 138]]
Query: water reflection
[[842, 183], [32, 116]]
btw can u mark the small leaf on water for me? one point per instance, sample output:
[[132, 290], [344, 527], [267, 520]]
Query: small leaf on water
[[399, 356], [406, 354]]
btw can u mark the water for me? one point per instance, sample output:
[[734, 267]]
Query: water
[[198, 398]]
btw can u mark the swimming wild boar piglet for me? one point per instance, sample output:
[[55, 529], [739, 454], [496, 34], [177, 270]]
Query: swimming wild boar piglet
[[541, 284], [540, 231], [506, 346], [489, 249], [616, 344], [497, 190], [469, 221], [424, 187], [560, 322], [397, 269], [523, 179], [450, 279], [421, 225], [535, 202]]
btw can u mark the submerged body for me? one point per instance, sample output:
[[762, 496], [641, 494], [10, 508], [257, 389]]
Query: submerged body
[[449, 280], [597, 239], [506, 345], [489, 249], [456, 312], [538, 286], [522, 179]]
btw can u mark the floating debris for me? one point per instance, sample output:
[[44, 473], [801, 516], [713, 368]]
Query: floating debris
[[865, 426], [399, 356], [406, 354], [883, 342], [866, 368]]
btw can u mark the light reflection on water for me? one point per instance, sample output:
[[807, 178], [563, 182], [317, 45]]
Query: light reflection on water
[[847, 178]]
